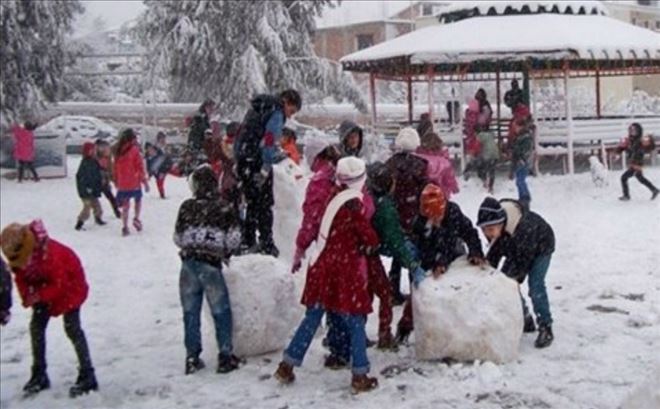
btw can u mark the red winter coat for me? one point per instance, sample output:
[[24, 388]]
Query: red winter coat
[[320, 190], [23, 144], [56, 276], [128, 172], [440, 170], [338, 279]]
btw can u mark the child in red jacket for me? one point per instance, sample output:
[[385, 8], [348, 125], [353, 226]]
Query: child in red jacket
[[129, 176], [51, 280]]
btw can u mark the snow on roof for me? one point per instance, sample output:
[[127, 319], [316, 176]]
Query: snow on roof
[[350, 12], [484, 7], [505, 37]]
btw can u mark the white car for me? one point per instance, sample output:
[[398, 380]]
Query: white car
[[78, 130]]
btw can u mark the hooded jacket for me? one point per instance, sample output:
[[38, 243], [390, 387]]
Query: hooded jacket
[[409, 173], [345, 129], [89, 178], [128, 171], [207, 228], [23, 144]]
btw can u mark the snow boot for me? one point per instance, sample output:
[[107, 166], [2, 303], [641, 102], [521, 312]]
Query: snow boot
[[335, 362], [194, 364], [85, 383], [100, 221], [624, 198], [386, 342], [363, 383], [545, 337], [227, 363], [284, 374], [529, 324], [402, 335], [79, 225], [655, 194], [37, 383]]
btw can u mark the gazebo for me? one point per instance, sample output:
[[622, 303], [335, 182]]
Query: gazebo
[[494, 40]]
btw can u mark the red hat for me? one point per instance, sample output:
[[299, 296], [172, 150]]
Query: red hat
[[433, 203]]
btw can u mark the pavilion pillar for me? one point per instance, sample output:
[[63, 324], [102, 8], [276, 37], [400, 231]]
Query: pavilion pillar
[[372, 94], [598, 114], [410, 100], [499, 114], [430, 74], [569, 122]]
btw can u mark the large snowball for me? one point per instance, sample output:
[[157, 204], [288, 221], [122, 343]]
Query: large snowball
[[264, 302], [288, 192], [468, 314]]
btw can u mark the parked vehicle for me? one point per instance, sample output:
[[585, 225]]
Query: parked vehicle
[[78, 130]]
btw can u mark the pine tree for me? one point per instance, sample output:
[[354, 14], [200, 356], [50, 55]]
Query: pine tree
[[33, 54], [232, 50]]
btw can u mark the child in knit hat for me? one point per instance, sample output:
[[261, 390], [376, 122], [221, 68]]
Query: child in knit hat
[[50, 280], [527, 242], [337, 279]]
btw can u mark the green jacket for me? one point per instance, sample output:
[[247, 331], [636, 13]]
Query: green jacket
[[387, 225], [522, 148]]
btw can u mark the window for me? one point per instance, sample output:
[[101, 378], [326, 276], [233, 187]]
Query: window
[[364, 41], [427, 9]]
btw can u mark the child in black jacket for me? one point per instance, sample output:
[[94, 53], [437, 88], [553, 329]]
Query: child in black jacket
[[89, 182], [527, 242], [636, 145], [158, 166]]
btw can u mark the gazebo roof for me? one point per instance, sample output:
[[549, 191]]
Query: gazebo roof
[[500, 7], [512, 38]]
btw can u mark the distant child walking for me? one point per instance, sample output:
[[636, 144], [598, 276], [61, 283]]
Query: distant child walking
[[158, 166], [24, 149], [89, 182], [636, 145], [51, 281], [129, 176]]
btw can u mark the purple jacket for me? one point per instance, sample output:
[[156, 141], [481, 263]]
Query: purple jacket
[[440, 170]]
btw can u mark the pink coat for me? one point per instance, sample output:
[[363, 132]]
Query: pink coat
[[23, 144], [440, 170], [129, 169], [320, 190]]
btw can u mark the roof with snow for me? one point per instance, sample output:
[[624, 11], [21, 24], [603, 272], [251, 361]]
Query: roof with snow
[[510, 38], [463, 9]]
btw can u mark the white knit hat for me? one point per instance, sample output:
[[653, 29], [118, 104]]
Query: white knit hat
[[352, 172], [407, 140]]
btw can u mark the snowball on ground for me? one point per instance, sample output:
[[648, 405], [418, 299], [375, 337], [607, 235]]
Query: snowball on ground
[[264, 305], [467, 314]]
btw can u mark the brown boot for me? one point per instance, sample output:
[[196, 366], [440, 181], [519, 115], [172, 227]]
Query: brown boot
[[386, 341], [284, 374], [363, 383]]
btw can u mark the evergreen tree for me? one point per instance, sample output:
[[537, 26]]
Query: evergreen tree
[[232, 50], [33, 54]]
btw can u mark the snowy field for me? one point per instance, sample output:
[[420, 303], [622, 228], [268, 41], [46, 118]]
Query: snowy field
[[604, 289]]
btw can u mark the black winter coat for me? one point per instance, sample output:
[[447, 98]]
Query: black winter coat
[[409, 173], [438, 246], [5, 288], [207, 229], [636, 150], [247, 146], [527, 236], [89, 179], [200, 123]]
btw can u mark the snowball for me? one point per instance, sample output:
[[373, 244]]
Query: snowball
[[468, 314], [264, 304], [646, 395], [288, 193]]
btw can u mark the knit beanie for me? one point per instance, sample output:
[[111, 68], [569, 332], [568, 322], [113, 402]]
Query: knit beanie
[[18, 243], [490, 212], [352, 172], [203, 182], [380, 179], [407, 140], [433, 203]]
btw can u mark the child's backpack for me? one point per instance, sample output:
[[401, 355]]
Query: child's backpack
[[247, 146]]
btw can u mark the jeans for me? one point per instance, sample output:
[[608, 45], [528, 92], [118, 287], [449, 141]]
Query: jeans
[[338, 337], [354, 324], [521, 173], [640, 177], [74, 332], [537, 291], [198, 279]]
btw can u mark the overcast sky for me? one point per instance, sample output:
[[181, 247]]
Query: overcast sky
[[114, 12]]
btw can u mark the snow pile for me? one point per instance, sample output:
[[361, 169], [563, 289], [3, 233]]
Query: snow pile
[[646, 395], [289, 193], [264, 305], [468, 314]]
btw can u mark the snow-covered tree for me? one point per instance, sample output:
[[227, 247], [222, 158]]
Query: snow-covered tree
[[232, 50], [33, 54]]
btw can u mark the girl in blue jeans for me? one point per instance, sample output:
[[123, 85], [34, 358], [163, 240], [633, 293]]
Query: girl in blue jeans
[[527, 242], [206, 231]]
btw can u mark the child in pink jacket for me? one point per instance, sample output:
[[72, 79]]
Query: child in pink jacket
[[129, 177], [440, 170], [24, 149]]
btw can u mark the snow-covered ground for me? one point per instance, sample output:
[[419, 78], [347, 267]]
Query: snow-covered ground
[[604, 287]]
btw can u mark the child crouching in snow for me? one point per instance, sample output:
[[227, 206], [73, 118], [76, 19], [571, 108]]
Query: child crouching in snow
[[527, 241], [207, 232], [440, 234], [89, 181], [337, 280], [50, 280]]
